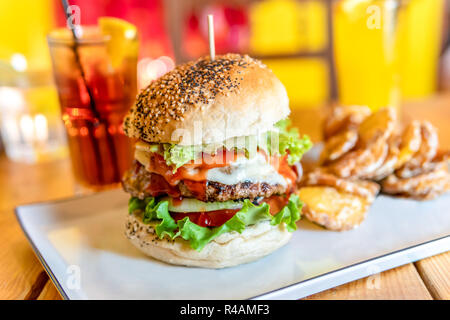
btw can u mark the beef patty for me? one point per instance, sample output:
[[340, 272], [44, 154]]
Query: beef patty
[[140, 183]]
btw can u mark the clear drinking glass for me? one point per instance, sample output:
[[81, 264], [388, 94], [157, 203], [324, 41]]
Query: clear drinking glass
[[96, 87], [30, 122]]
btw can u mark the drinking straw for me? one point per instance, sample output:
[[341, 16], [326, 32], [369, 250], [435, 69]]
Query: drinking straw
[[97, 117]]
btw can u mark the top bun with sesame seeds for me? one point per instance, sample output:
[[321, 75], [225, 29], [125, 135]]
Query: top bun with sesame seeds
[[208, 101]]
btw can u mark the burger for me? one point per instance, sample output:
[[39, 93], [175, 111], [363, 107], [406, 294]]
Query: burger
[[214, 177]]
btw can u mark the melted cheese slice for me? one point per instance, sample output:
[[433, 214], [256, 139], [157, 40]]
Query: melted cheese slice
[[255, 169]]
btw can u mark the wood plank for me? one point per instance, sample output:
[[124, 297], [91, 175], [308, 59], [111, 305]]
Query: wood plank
[[21, 274], [25, 183], [435, 272], [49, 292], [400, 283]]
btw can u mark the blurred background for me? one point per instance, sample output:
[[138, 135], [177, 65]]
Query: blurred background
[[368, 52]]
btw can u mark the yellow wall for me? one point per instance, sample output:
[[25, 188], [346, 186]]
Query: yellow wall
[[283, 27], [23, 26], [306, 80]]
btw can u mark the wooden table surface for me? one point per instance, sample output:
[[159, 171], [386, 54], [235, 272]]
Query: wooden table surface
[[22, 276]]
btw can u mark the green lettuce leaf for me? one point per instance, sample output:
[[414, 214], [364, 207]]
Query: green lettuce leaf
[[176, 155], [288, 141], [279, 141], [199, 236], [136, 204], [290, 214]]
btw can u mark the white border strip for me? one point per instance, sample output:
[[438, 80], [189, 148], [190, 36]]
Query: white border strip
[[357, 271]]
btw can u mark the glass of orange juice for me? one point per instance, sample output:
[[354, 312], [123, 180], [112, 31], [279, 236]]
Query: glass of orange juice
[[420, 38], [365, 52]]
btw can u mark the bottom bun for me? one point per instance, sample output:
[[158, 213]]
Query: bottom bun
[[229, 249]]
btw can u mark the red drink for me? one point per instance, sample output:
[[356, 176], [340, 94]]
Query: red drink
[[93, 102]]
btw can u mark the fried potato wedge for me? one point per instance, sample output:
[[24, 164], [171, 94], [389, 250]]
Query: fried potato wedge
[[379, 125], [333, 209], [423, 186], [343, 118], [390, 161], [361, 163], [338, 145], [409, 143], [362, 188], [440, 161], [426, 152]]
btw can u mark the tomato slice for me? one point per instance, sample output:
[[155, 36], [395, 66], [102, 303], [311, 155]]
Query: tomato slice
[[282, 166], [219, 217], [197, 188], [157, 186], [191, 171], [158, 165], [221, 158], [206, 219], [276, 203]]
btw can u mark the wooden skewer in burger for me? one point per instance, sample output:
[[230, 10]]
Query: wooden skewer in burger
[[214, 180]]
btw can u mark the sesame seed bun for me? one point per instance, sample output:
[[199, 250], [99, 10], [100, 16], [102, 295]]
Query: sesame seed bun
[[208, 102], [227, 250]]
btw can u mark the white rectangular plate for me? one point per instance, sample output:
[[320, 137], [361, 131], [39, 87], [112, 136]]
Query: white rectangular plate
[[82, 246]]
